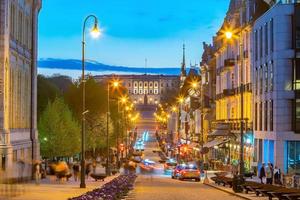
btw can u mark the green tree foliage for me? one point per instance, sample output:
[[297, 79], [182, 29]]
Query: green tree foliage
[[59, 132], [46, 91], [96, 104]]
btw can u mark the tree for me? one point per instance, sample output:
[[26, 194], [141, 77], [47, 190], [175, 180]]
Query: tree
[[59, 132], [46, 91], [96, 104]]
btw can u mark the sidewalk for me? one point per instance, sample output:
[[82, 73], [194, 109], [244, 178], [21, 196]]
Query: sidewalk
[[50, 190], [227, 189]]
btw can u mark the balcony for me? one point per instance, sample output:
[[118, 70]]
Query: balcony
[[229, 63], [228, 92]]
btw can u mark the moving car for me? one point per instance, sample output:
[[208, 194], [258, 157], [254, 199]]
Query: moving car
[[147, 165], [184, 171]]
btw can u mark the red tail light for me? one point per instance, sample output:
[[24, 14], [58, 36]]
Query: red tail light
[[176, 171]]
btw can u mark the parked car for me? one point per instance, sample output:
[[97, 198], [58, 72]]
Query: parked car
[[186, 171]]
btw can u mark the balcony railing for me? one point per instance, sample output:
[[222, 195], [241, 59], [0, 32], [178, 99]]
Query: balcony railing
[[229, 62], [234, 124]]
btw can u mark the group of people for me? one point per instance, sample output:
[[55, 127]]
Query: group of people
[[271, 174]]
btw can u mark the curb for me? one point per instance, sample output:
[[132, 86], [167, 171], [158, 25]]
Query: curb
[[223, 190]]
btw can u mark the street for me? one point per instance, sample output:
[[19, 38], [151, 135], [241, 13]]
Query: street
[[157, 185]]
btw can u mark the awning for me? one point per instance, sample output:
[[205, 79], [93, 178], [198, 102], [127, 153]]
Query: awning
[[213, 143], [220, 132]]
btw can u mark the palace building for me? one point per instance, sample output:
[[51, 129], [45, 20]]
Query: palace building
[[145, 89], [19, 146]]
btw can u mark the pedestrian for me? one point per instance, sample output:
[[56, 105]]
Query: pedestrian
[[277, 176], [269, 173], [262, 173], [75, 171], [272, 172], [37, 173]]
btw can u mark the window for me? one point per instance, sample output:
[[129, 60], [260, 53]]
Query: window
[[155, 84], [22, 154], [271, 76], [266, 78], [161, 85], [256, 117], [15, 155], [141, 84], [266, 39], [271, 115], [146, 91], [260, 116], [150, 91], [232, 80], [260, 80], [135, 92], [141, 91], [256, 81], [260, 42], [266, 116], [155, 91], [293, 157], [256, 44], [271, 36], [135, 84]]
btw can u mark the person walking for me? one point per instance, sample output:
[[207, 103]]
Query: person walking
[[272, 172], [269, 173], [277, 176], [37, 173], [76, 171], [262, 173]]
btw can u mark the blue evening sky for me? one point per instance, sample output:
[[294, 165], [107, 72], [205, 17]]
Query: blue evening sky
[[132, 30]]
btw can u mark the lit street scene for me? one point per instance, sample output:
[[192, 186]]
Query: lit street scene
[[150, 100]]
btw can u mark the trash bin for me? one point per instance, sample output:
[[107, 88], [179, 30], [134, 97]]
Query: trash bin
[[237, 181]]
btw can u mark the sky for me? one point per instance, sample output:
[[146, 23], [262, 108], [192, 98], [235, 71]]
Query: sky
[[131, 30]]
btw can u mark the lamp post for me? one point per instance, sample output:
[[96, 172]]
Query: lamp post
[[229, 35], [95, 33], [115, 84]]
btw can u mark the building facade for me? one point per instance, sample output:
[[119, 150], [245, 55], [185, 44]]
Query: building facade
[[275, 69], [19, 145], [145, 89]]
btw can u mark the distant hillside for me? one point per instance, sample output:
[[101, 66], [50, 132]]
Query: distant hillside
[[72, 64]]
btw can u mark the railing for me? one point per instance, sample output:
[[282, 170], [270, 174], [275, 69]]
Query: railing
[[229, 62], [233, 124]]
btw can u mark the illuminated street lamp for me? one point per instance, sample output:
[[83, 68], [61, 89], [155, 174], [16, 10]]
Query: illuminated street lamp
[[114, 84], [228, 35], [95, 32]]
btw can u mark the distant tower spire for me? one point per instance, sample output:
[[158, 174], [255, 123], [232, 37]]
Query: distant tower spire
[[183, 71]]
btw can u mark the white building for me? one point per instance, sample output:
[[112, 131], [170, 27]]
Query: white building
[[145, 88], [18, 54], [276, 103]]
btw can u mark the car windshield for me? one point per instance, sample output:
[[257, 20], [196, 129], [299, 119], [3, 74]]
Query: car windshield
[[188, 167]]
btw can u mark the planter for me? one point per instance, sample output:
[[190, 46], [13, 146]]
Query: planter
[[113, 190]]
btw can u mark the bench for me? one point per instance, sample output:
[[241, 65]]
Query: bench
[[283, 191], [292, 196]]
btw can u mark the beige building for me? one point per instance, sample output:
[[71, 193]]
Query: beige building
[[18, 54], [145, 89]]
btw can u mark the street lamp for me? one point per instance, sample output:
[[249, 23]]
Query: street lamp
[[228, 36], [95, 33], [115, 84]]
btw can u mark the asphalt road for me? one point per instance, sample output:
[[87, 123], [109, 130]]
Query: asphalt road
[[156, 185]]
